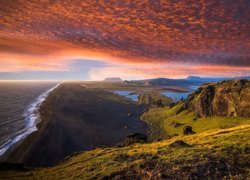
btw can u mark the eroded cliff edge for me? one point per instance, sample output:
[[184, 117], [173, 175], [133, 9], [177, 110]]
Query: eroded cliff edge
[[226, 98]]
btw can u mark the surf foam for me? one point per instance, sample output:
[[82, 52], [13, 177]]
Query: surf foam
[[32, 118]]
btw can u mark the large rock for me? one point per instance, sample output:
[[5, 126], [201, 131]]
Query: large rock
[[188, 130], [226, 98]]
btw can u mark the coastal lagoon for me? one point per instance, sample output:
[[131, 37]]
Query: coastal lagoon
[[129, 94], [176, 96]]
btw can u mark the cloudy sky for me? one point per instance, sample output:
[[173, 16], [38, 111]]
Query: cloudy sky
[[131, 39]]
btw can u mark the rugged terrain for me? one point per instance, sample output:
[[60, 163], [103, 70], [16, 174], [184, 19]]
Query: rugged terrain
[[226, 98], [191, 143], [209, 107]]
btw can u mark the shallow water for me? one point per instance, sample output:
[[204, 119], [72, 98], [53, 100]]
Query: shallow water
[[18, 109], [176, 96], [193, 88], [129, 94]]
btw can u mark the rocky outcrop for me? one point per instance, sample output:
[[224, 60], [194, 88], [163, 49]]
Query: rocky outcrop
[[188, 130], [226, 98]]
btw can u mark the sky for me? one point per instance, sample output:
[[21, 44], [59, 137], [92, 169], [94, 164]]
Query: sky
[[131, 39]]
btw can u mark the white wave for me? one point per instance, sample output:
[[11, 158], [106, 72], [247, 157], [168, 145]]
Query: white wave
[[32, 118]]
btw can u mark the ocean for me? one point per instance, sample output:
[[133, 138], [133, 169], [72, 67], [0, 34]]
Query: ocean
[[19, 103]]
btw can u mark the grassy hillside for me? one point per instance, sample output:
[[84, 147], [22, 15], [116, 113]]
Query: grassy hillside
[[212, 106], [216, 154], [217, 148], [152, 97], [172, 121]]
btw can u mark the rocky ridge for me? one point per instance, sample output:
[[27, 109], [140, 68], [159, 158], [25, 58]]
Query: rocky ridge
[[226, 98]]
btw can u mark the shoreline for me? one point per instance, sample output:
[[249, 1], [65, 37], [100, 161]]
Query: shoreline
[[64, 131], [32, 122]]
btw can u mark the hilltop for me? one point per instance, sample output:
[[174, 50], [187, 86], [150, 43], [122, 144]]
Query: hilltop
[[113, 79]]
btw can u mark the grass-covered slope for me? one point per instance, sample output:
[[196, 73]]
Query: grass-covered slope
[[172, 120], [154, 98], [220, 153], [217, 148], [212, 106]]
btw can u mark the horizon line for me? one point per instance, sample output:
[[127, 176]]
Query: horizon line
[[56, 80]]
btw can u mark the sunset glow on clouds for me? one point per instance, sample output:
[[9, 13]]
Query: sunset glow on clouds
[[134, 73], [130, 39]]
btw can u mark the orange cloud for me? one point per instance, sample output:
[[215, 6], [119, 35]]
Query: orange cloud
[[166, 70], [43, 35]]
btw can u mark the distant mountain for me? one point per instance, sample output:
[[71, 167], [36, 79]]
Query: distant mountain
[[194, 78], [189, 82], [162, 82], [113, 79], [213, 79]]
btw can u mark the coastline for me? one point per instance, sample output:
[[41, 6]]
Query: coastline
[[72, 119], [32, 121]]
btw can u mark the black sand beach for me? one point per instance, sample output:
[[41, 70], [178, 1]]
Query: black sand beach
[[77, 118]]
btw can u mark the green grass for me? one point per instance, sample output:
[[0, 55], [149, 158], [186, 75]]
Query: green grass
[[100, 163], [152, 97], [163, 117], [219, 149]]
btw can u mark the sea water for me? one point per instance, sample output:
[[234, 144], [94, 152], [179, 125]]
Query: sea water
[[19, 109], [129, 94]]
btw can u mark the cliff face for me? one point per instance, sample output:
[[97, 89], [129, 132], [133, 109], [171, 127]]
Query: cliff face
[[226, 98]]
